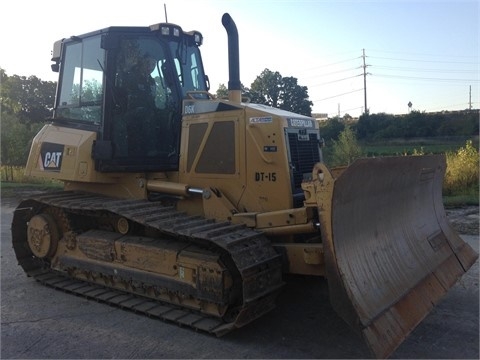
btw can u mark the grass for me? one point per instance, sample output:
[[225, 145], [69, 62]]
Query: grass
[[454, 201], [400, 147], [14, 181], [391, 150], [461, 186], [409, 146]]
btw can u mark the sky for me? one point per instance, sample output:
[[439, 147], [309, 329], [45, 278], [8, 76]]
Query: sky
[[425, 53]]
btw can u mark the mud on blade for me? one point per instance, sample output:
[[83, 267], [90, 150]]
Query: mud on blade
[[389, 250]]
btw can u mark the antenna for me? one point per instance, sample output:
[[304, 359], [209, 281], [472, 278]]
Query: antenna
[[165, 9]]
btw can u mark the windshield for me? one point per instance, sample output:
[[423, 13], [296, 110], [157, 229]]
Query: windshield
[[188, 67]]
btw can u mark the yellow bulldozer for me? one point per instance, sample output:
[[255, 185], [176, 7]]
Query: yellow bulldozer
[[191, 208]]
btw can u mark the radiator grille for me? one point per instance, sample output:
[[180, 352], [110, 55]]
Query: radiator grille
[[304, 154]]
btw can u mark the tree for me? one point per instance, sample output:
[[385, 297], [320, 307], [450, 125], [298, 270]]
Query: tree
[[266, 88], [295, 97], [15, 142], [331, 129], [222, 91], [346, 149], [270, 88], [25, 104], [30, 99]]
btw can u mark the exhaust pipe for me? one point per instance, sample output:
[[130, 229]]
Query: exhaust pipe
[[234, 85]]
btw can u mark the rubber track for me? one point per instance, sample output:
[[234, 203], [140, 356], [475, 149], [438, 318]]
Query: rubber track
[[256, 260]]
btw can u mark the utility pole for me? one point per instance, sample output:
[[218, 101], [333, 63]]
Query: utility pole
[[470, 98], [364, 82]]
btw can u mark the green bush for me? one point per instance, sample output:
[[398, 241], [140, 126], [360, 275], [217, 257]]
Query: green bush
[[462, 172], [346, 149]]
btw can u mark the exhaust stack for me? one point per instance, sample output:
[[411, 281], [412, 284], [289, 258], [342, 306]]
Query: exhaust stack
[[234, 85]]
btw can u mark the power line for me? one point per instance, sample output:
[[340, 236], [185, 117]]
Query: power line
[[391, 73], [322, 66], [425, 78], [400, 68], [427, 61], [443, 107], [334, 96], [424, 54], [347, 110], [379, 79], [334, 63], [334, 72], [338, 80]]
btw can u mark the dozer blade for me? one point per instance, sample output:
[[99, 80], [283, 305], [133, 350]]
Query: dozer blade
[[390, 253]]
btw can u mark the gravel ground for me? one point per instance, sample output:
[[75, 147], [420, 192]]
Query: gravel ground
[[465, 220], [38, 322]]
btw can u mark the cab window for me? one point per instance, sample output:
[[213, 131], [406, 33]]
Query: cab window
[[145, 122], [189, 69], [81, 92]]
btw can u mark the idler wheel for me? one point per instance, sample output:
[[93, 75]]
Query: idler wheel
[[42, 235]]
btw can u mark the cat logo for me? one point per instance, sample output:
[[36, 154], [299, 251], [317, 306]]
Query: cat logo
[[51, 157]]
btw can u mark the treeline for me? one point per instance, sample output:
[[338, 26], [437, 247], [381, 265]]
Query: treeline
[[25, 103], [417, 124], [374, 127]]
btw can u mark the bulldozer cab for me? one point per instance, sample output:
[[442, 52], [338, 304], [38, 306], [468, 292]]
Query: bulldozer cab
[[127, 84]]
